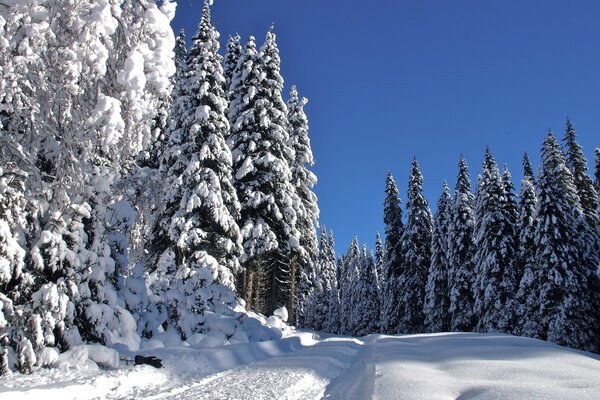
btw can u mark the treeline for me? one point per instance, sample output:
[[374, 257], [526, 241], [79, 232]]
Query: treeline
[[142, 182], [489, 261]]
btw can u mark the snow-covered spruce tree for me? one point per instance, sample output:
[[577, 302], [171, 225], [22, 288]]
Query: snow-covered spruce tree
[[378, 257], [527, 299], [494, 258], [200, 202], [590, 205], [461, 248], [333, 315], [326, 281], [232, 57], [566, 310], [348, 282], [263, 179], [416, 254], [66, 101], [597, 169], [392, 268], [528, 169], [303, 180], [584, 184], [512, 209], [365, 311], [437, 300]]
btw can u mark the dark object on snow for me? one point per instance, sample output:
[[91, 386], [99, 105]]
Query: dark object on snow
[[153, 361]]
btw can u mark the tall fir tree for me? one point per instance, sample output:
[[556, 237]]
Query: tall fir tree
[[348, 281], [437, 300], [590, 205], [597, 170], [326, 281], [365, 310], [201, 205], [588, 197], [303, 180], [461, 248], [263, 179], [416, 254], [232, 57], [566, 310], [527, 300], [494, 258], [528, 169], [391, 269]]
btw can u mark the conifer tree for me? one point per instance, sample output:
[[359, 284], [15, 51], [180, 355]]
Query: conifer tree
[[333, 302], [391, 268], [232, 57], [379, 269], [416, 254], [303, 180], [201, 205], [528, 169], [365, 313], [494, 259], [566, 310], [461, 248], [577, 163], [325, 281], [510, 205], [590, 205], [597, 169], [348, 283], [437, 300], [263, 179], [527, 301], [378, 254]]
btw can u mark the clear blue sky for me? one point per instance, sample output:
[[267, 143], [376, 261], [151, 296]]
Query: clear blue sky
[[388, 80]]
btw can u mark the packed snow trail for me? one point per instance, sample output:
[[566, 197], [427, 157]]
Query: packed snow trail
[[442, 366], [428, 366]]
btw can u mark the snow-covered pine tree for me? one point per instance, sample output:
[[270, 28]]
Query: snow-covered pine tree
[[510, 205], [365, 312], [326, 281], [437, 300], [66, 110], [590, 205], [348, 282], [597, 170], [333, 315], [461, 248], [379, 255], [303, 180], [416, 254], [392, 267], [584, 184], [200, 202], [263, 178], [528, 169], [527, 299], [566, 312], [494, 258], [232, 57]]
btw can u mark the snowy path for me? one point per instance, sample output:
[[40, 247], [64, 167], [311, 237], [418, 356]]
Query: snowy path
[[447, 366], [436, 366]]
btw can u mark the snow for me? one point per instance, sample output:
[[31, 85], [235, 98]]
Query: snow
[[305, 366]]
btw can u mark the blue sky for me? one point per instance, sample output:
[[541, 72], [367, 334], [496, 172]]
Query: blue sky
[[389, 80]]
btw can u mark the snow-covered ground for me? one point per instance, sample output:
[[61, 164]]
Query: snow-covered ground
[[304, 366]]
